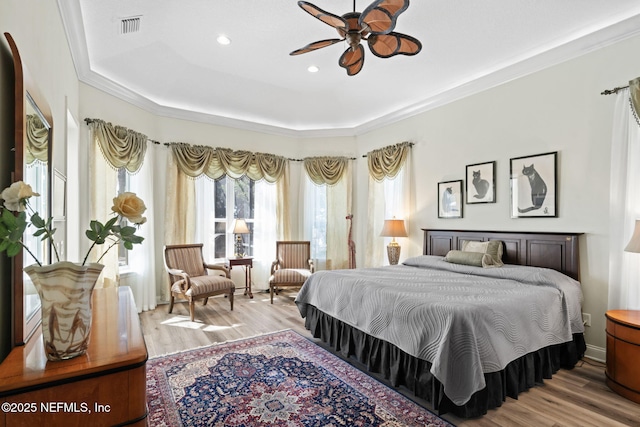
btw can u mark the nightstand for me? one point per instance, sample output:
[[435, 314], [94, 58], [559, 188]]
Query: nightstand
[[247, 263], [623, 353]]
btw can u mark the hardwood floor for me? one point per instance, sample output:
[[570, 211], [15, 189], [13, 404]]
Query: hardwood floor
[[578, 397]]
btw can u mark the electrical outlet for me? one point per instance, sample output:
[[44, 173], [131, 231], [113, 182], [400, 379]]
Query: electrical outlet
[[586, 319]]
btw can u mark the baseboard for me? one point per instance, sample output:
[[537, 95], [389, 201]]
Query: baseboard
[[596, 353]]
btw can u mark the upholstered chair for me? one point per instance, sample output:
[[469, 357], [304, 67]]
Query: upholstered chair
[[189, 278], [293, 265]]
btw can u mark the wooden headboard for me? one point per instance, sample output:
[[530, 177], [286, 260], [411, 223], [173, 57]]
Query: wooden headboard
[[558, 251]]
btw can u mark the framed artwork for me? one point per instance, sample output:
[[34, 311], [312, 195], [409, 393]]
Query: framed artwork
[[450, 199], [481, 183], [534, 189]]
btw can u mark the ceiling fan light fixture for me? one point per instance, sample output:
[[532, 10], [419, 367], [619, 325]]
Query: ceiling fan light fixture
[[223, 40], [375, 26]]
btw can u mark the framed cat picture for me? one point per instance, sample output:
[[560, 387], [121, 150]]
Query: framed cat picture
[[481, 183], [534, 191], [450, 199]]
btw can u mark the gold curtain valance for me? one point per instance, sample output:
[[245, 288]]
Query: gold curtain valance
[[196, 160], [634, 98], [37, 140], [326, 170], [386, 162], [121, 147]]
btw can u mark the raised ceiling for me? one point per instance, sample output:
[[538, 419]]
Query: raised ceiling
[[172, 65]]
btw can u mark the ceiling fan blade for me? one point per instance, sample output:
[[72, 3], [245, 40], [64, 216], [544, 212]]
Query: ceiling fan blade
[[387, 45], [352, 60], [328, 18], [381, 15], [315, 45]]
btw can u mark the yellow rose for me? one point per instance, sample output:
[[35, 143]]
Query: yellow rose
[[16, 195], [130, 206]]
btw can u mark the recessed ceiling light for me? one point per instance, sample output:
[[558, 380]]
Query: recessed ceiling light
[[223, 40], [313, 69]]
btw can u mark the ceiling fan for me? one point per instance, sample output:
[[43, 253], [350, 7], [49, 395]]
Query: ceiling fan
[[375, 25]]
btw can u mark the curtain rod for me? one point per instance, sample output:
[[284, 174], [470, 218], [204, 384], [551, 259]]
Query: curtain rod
[[88, 120], [302, 160], [411, 144], [614, 90]]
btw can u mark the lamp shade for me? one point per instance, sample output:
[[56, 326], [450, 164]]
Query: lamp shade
[[240, 226], [634, 243], [393, 228]]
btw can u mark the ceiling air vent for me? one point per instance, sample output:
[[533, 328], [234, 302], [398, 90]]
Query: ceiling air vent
[[130, 25]]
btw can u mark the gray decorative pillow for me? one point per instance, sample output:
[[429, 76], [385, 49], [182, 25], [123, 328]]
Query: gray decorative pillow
[[466, 258], [493, 248]]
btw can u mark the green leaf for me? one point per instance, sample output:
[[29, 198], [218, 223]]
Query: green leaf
[[96, 226], [13, 249], [38, 221], [91, 235], [128, 245], [135, 239], [127, 231], [39, 232], [4, 245], [111, 222], [9, 218], [15, 235]]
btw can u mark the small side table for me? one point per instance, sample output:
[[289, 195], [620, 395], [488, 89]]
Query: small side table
[[247, 262], [623, 353]]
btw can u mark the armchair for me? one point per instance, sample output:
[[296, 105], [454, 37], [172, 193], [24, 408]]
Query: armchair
[[189, 279], [293, 265]]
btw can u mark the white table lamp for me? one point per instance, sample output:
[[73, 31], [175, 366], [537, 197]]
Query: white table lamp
[[393, 228]]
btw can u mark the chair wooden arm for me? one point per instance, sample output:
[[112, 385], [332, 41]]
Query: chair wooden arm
[[274, 266], [219, 267], [312, 266], [187, 281]]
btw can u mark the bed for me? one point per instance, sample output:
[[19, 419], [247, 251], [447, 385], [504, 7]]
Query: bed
[[462, 338]]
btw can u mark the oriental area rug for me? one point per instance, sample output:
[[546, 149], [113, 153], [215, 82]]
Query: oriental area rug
[[278, 379]]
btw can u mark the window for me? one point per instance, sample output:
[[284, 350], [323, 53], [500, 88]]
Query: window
[[218, 203]]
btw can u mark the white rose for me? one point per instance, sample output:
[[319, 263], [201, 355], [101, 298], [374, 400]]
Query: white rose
[[130, 206], [15, 197]]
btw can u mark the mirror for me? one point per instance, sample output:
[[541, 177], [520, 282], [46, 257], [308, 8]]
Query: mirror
[[33, 125], [37, 174]]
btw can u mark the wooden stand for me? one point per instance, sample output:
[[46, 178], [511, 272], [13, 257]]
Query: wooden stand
[[106, 386], [623, 353], [247, 262]]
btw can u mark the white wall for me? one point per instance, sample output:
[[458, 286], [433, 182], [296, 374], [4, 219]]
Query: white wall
[[558, 109]]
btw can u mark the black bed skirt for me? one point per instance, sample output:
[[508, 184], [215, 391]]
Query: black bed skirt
[[401, 369]]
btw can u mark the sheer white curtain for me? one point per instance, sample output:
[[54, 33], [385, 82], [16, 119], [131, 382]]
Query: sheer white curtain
[[339, 198], [624, 267], [325, 208], [264, 232], [205, 216], [388, 198], [314, 218], [142, 259], [103, 190]]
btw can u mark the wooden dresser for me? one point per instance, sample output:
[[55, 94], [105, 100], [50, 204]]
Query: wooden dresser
[[623, 353], [104, 387]]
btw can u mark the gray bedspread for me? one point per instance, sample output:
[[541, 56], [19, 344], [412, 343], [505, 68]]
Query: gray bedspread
[[466, 321]]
